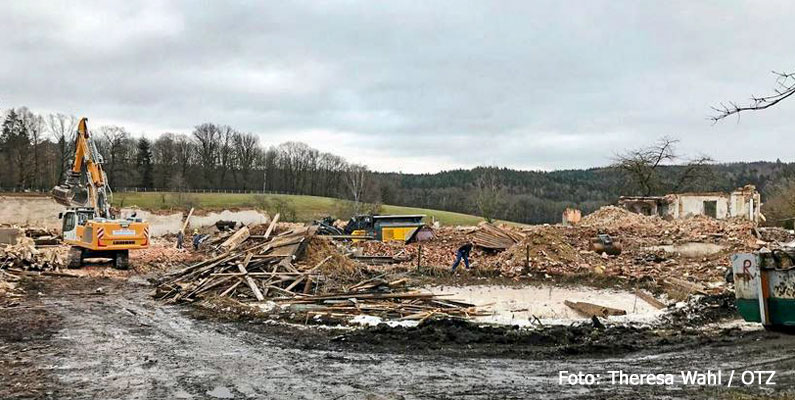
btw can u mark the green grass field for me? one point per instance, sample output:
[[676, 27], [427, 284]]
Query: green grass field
[[304, 208]]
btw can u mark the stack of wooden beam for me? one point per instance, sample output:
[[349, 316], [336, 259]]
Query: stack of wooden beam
[[376, 297], [491, 237], [248, 270], [256, 269]]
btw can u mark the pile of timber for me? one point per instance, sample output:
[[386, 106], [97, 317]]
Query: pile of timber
[[377, 297], [26, 256], [247, 269], [257, 268], [489, 236], [43, 237]]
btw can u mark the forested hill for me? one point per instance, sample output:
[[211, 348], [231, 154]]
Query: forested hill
[[536, 196], [35, 151]]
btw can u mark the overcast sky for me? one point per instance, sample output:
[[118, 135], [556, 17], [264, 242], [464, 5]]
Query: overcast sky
[[414, 86]]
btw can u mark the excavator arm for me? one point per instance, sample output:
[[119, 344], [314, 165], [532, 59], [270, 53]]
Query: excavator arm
[[87, 160]]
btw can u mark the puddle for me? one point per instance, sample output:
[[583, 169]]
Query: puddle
[[519, 305], [160, 225], [221, 392], [691, 249]]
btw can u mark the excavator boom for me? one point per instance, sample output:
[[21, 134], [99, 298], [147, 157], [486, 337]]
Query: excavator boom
[[88, 159]]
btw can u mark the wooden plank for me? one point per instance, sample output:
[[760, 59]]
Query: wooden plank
[[323, 261], [250, 280], [346, 296], [650, 299], [295, 283], [236, 239], [591, 309], [187, 220], [686, 286], [271, 226], [346, 237], [231, 288], [258, 274]]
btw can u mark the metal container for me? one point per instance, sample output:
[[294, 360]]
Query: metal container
[[764, 286]]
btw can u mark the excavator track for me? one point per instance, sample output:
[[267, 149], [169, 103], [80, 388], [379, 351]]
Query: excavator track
[[75, 258]]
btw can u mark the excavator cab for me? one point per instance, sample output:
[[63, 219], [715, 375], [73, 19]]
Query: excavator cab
[[73, 218]]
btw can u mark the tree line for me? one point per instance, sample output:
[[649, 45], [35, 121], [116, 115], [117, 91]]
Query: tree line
[[36, 150]]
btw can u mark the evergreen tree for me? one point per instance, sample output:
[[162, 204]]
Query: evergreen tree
[[143, 162], [16, 149]]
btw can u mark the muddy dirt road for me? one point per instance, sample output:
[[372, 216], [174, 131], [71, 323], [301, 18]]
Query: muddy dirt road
[[68, 340]]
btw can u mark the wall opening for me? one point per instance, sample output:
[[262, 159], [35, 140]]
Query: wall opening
[[711, 208]]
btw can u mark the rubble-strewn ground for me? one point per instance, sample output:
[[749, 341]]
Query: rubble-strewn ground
[[651, 249], [67, 341], [97, 332]]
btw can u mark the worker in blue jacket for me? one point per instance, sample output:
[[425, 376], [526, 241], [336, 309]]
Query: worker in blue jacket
[[463, 254]]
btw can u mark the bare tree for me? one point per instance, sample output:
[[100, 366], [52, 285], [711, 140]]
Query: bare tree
[[207, 138], [35, 127], [226, 137], [247, 151], [356, 181], [115, 140], [642, 166], [164, 157], [487, 192], [62, 128], [695, 171], [184, 150], [785, 87]]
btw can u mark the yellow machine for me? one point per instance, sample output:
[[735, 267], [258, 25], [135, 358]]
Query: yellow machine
[[87, 222], [385, 228]]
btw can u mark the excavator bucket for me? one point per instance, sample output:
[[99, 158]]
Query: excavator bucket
[[64, 195]]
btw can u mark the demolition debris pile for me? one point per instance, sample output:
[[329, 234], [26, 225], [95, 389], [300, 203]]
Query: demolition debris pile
[[162, 254], [653, 248], [306, 273], [24, 255], [685, 253]]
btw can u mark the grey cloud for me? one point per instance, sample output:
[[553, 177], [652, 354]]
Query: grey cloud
[[536, 84]]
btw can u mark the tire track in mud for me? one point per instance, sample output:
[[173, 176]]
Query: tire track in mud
[[124, 345]]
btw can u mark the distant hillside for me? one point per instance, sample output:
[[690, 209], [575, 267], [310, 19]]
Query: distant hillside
[[296, 208], [538, 197]]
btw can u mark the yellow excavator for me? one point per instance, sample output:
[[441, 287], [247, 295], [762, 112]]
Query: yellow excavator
[[88, 225]]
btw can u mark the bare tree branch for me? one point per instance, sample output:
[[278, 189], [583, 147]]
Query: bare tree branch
[[785, 87]]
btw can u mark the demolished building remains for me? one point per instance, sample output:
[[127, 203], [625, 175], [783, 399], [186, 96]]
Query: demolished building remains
[[744, 202]]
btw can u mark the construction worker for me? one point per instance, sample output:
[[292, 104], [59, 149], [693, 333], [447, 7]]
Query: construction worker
[[180, 239], [197, 239], [462, 254]]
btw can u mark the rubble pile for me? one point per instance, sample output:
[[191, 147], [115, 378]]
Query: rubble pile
[[162, 254], [25, 256], [776, 235], [437, 252], [648, 244], [544, 248], [305, 273], [612, 217], [644, 240]]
